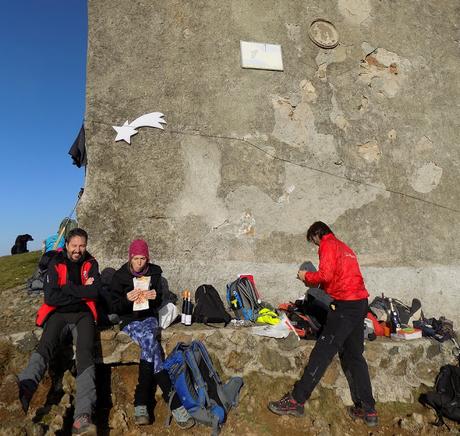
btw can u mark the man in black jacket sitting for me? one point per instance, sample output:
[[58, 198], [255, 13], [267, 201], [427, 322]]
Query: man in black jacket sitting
[[72, 286]]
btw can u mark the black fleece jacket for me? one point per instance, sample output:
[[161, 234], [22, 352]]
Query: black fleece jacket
[[122, 283], [69, 298]]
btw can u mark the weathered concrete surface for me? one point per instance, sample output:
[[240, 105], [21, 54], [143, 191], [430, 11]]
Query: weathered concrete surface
[[363, 137]]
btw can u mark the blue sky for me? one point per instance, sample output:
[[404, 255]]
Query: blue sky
[[42, 94]]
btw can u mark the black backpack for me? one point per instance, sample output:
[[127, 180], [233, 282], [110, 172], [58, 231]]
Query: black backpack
[[305, 325], [445, 400], [36, 283], [209, 307], [440, 329], [405, 313]]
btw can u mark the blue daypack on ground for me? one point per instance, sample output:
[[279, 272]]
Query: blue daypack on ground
[[196, 382]]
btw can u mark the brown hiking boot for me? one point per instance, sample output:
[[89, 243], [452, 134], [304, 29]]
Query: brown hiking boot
[[287, 405], [369, 417]]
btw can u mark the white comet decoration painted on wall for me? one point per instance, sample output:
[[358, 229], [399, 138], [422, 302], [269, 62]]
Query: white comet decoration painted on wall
[[124, 132]]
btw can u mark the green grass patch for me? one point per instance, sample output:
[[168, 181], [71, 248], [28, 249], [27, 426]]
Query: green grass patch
[[15, 270]]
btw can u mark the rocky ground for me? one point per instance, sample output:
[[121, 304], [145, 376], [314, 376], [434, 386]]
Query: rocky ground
[[51, 408]]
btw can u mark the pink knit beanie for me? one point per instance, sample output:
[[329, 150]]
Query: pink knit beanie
[[138, 248]]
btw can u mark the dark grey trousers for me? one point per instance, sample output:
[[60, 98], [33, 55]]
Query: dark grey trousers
[[86, 383]]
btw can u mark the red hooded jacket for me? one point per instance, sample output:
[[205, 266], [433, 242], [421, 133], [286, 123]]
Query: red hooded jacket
[[338, 273]]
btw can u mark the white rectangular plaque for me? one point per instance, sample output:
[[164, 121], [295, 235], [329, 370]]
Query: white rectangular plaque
[[261, 56]]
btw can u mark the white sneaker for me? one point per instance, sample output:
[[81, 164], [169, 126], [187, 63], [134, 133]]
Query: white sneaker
[[183, 418], [141, 415]]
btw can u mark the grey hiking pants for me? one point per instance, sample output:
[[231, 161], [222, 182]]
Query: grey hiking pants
[[86, 383]]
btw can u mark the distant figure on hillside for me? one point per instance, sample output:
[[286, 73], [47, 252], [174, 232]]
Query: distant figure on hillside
[[340, 277], [57, 241], [20, 244], [137, 295], [71, 290]]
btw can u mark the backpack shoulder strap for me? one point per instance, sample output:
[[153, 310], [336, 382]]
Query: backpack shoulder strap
[[228, 393], [197, 345], [198, 379]]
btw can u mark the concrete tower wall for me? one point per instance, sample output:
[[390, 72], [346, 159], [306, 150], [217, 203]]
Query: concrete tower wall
[[364, 136]]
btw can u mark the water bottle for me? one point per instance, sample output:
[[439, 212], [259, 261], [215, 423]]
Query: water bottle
[[236, 305], [184, 308], [188, 311]]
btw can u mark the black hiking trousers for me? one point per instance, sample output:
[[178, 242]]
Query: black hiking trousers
[[85, 326], [343, 334], [146, 385], [86, 378]]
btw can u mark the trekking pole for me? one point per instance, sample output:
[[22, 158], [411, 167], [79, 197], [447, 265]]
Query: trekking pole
[[291, 327], [68, 218], [80, 193], [457, 348]]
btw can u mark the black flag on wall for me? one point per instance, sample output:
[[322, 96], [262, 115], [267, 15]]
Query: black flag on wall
[[78, 149]]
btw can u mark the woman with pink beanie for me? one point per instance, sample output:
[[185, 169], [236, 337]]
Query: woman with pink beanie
[[137, 294]]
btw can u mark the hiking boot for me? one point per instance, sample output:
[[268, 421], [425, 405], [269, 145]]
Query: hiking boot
[[369, 417], [25, 392], [182, 418], [84, 426], [141, 415], [287, 406]]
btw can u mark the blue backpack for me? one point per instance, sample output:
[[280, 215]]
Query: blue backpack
[[196, 382]]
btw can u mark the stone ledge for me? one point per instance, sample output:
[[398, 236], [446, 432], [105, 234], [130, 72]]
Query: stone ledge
[[398, 368]]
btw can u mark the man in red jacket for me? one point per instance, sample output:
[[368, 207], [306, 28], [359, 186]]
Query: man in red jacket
[[71, 289], [340, 277]]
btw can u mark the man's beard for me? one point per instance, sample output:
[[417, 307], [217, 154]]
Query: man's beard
[[76, 259]]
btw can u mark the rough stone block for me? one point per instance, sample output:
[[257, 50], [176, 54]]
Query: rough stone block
[[130, 354]]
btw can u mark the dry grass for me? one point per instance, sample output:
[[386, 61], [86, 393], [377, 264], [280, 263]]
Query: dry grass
[[15, 270]]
